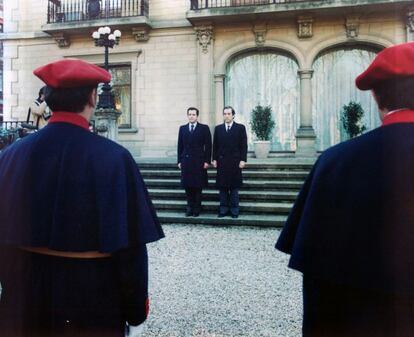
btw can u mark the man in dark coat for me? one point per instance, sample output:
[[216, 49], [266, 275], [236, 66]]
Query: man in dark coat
[[75, 218], [351, 230], [193, 158], [229, 156]]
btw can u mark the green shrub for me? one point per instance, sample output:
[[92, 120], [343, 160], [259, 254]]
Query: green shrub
[[262, 122], [351, 115]]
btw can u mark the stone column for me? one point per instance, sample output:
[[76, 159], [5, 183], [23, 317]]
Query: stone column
[[106, 123], [219, 84], [410, 24], [305, 136], [205, 39]]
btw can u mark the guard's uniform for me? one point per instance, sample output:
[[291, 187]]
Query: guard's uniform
[[75, 217], [351, 230]]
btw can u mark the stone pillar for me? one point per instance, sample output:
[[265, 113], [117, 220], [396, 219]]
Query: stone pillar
[[106, 123], [219, 84], [305, 136], [410, 24], [205, 39]]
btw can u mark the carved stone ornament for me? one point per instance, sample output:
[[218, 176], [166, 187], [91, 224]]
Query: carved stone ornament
[[205, 35], [102, 127], [140, 34], [410, 20], [305, 27], [352, 27], [62, 40], [260, 31]]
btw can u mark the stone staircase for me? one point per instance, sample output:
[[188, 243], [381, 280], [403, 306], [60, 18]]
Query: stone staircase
[[269, 190]]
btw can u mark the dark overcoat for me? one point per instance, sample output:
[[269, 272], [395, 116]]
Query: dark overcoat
[[68, 189], [193, 150], [353, 221], [229, 148]]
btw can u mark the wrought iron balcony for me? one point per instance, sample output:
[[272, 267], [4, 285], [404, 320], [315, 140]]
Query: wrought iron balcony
[[202, 4], [62, 11], [222, 11]]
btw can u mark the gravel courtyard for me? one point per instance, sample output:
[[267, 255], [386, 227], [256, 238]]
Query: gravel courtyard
[[222, 282]]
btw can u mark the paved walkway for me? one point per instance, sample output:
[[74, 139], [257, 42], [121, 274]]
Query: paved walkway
[[222, 282]]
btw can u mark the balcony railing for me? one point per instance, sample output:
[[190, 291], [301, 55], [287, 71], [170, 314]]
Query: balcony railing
[[84, 10], [204, 4], [11, 125]]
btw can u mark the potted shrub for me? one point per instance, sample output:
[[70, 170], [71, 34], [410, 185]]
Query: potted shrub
[[262, 125], [351, 116]]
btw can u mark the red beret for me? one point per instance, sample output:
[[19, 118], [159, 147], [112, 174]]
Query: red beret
[[71, 73], [393, 62]]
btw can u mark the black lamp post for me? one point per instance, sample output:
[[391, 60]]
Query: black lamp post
[[104, 38]]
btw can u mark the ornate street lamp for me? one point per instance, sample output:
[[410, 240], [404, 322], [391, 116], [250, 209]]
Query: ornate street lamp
[[106, 115], [104, 38]]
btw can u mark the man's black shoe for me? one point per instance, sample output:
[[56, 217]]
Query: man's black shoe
[[234, 216], [196, 214], [188, 213], [221, 215]]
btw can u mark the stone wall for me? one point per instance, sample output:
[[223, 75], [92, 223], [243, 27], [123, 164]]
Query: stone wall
[[178, 66]]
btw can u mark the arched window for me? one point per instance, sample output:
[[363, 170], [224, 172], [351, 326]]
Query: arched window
[[333, 86], [265, 78]]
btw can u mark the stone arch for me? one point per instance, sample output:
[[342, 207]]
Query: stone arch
[[333, 86], [253, 76], [335, 42], [285, 48], [222, 60]]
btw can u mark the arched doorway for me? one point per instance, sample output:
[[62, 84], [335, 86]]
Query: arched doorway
[[265, 78], [333, 86]]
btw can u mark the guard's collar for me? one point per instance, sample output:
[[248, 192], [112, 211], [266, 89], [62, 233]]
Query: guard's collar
[[69, 117], [398, 116]]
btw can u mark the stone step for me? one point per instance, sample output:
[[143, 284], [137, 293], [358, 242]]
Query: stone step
[[247, 184], [256, 165], [212, 219], [255, 174], [212, 194], [270, 188], [212, 207]]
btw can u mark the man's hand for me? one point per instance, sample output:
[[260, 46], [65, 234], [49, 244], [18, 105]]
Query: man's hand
[[179, 166], [206, 165], [135, 331], [214, 162], [242, 164]]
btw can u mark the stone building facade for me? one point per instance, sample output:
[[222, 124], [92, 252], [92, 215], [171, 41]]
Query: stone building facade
[[298, 56]]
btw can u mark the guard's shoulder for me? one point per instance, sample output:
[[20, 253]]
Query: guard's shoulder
[[107, 145], [347, 149]]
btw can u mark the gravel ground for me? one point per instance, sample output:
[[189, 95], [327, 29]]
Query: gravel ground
[[222, 282]]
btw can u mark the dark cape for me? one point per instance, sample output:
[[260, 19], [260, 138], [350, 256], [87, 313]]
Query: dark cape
[[229, 148], [193, 150], [353, 219], [68, 189], [351, 233]]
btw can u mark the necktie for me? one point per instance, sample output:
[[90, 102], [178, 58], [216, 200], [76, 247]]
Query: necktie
[[192, 128], [228, 128]]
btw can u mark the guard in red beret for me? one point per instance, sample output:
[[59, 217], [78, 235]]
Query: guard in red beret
[[351, 229], [75, 218]]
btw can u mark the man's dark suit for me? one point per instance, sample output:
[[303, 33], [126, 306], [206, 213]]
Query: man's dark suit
[[194, 149], [229, 148]]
